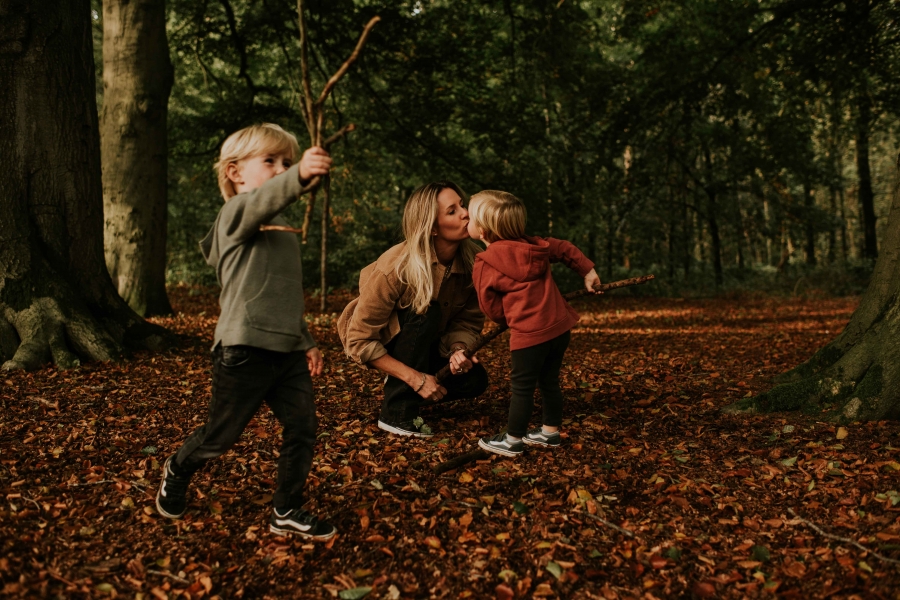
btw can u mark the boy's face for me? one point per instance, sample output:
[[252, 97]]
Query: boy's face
[[250, 173], [475, 232]]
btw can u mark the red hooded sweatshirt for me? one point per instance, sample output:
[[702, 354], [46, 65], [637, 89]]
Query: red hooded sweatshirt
[[515, 287]]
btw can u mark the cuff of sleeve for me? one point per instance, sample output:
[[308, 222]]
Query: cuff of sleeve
[[454, 338], [372, 351], [585, 268]]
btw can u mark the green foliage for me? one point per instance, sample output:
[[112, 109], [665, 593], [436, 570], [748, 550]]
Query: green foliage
[[708, 142]]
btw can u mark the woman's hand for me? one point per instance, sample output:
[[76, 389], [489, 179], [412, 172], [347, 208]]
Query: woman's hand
[[591, 281], [431, 389], [460, 363], [314, 361], [315, 161]]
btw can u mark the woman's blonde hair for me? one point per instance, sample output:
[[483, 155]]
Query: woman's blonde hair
[[500, 215], [263, 138], [419, 218]]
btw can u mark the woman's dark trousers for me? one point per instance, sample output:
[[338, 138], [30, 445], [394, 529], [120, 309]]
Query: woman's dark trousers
[[536, 366], [244, 377], [417, 346]]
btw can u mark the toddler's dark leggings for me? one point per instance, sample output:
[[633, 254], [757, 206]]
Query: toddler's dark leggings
[[536, 366]]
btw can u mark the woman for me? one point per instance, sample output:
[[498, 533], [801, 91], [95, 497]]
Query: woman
[[417, 309]]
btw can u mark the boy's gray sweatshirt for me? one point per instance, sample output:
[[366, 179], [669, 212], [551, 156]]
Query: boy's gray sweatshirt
[[259, 271]]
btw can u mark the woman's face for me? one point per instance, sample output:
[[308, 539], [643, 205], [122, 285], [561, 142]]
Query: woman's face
[[453, 219]]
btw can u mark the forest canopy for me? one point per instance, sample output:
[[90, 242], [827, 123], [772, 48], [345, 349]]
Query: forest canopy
[[713, 143]]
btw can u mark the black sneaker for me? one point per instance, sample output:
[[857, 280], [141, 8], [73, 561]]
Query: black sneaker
[[171, 499], [501, 444], [416, 428], [537, 437], [301, 522]]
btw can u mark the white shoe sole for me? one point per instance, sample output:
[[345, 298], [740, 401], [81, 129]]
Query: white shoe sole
[[308, 536], [397, 431], [159, 507], [496, 450], [537, 443]]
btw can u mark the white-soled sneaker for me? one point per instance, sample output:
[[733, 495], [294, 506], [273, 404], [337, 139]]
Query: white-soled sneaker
[[501, 444], [301, 522], [537, 437], [416, 428]]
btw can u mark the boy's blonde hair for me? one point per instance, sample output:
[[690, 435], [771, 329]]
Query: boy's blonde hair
[[263, 138], [500, 215]]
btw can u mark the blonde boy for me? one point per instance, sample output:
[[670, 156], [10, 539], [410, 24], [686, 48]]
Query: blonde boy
[[514, 285], [262, 348]]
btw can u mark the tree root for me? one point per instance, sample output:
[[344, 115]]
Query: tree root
[[65, 333], [861, 382]]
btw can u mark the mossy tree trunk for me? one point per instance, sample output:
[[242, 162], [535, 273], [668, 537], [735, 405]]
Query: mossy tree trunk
[[137, 79], [856, 376], [57, 301]]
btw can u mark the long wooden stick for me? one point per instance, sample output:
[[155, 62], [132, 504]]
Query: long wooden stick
[[843, 540], [488, 337]]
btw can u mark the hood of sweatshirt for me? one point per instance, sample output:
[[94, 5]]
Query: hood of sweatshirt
[[525, 259]]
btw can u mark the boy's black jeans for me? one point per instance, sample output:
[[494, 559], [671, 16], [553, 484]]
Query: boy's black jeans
[[244, 376], [536, 366], [417, 346]]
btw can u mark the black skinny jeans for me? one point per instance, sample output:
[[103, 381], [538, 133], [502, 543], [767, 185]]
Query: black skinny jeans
[[243, 377], [536, 366], [417, 346]]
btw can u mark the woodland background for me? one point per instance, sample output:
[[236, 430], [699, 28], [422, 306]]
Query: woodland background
[[720, 145]]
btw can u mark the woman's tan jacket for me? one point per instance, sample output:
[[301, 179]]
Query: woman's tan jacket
[[369, 322]]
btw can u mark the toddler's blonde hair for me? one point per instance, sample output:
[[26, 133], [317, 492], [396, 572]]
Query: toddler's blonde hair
[[263, 138], [500, 215]]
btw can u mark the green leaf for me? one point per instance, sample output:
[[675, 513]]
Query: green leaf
[[595, 553], [506, 575], [760, 553], [790, 462], [520, 507], [554, 569], [674, 553], [865, 566], [107, 588], [149, 450], [354, 593], [418, 421]]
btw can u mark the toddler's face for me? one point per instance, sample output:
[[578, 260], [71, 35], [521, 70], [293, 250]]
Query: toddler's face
[[475, 231], [254, 171]]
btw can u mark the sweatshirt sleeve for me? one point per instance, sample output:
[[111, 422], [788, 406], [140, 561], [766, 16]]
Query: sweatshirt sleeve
[[490, 300], [569, 255], [242, 215]]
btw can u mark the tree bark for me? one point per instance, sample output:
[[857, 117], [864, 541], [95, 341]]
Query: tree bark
[[866, 195], [137, 79], [857, 375], [56, 297]]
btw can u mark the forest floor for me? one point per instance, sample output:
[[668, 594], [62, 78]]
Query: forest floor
[[653, 493]]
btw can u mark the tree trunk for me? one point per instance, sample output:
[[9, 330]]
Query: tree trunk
[[809, 203], [715, 239], [866, 195], [857, 375], [56, 297], [137, 79]]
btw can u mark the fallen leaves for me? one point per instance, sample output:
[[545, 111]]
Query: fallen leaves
[[646, 451]]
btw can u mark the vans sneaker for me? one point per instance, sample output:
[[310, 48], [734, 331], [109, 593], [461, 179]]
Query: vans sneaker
[[537, 437], [301, 522], [171, 499], [501, 444], [416, 428]]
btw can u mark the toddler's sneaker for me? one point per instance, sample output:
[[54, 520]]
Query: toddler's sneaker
[[301, 522], [537, 437], [501, 444], [171, 499]]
